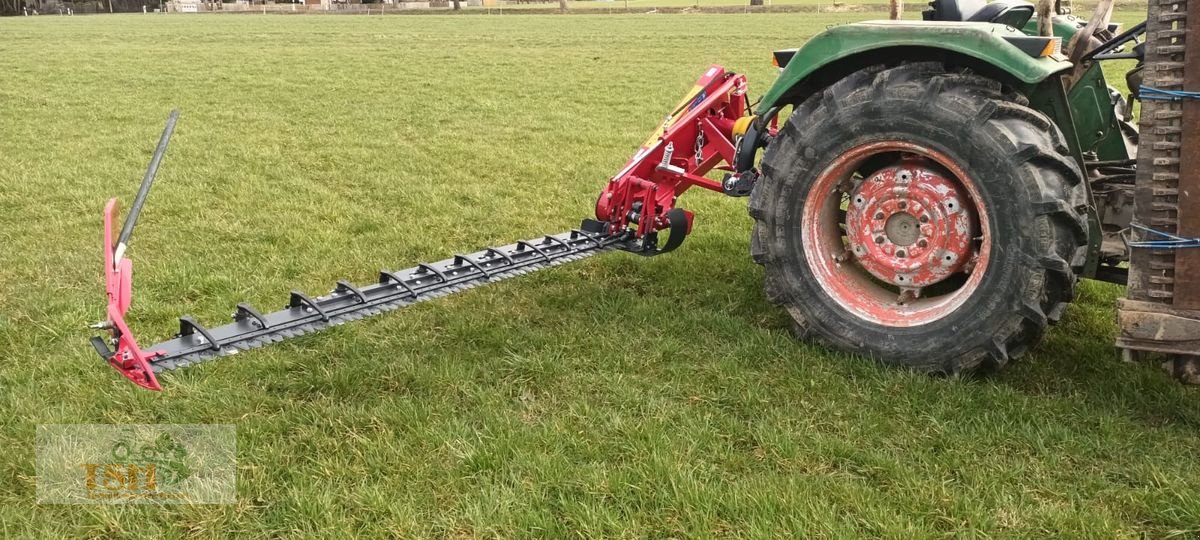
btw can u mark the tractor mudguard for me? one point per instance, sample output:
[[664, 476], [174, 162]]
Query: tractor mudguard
[[1063, 26], [841, 50]]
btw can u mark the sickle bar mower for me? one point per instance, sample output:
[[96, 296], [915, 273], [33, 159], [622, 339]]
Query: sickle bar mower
[[635, 205]]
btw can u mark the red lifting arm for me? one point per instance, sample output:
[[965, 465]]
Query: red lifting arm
[[695, 138]]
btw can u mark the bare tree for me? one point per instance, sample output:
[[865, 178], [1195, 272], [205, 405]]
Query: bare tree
[[562, 5], [457, 5], [897, 11]]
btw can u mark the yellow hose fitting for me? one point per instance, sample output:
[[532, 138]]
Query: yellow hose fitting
[[742, 124]]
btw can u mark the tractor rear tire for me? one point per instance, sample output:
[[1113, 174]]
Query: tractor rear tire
[[905, 173]]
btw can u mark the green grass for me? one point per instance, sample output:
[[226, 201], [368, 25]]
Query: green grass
[[618, 397]]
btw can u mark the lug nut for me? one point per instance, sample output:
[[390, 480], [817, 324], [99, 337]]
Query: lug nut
[[900, 254], [902, 205], [924, 219], [878, 239], [922, 243], [878, 215]]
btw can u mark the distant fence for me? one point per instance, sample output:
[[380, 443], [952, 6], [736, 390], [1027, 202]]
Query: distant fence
[[425, 7], [496, 7], [53, 7], [281, 8]]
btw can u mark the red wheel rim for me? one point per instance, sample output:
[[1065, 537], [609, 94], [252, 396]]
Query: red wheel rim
[[916, 242]]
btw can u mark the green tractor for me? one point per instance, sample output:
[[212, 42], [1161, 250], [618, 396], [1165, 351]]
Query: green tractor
[[939, 186]]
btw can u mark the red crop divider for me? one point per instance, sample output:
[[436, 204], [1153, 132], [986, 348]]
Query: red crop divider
[[128, 359]]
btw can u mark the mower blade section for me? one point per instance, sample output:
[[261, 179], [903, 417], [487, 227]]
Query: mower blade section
[[394, 290]]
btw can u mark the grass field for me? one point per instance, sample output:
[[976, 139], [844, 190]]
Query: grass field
[[619, 397]]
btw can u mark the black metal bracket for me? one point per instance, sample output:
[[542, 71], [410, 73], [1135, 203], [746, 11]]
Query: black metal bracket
[[246, 311], [1101, 52], [102, 348], [593, 226], [344, 286], [548, 240], [740, 184], [493, 252], [299, 299], [576, 233], [676, 233], [188, 326], [523, 244], [679, 229], [386, 277], [460, 259], [426, 269]]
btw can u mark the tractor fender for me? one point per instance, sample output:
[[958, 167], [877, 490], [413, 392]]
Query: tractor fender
[[842, 50]]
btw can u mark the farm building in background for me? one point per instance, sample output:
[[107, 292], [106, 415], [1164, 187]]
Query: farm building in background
[[198, 6]]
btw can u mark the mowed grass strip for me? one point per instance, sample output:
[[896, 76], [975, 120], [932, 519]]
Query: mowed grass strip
[[616, 397]]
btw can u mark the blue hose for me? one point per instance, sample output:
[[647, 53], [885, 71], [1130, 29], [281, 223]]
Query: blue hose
[[1157, 94], [1168, 241]]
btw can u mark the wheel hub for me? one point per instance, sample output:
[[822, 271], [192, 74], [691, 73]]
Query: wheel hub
[[903, 229], [910, 226]]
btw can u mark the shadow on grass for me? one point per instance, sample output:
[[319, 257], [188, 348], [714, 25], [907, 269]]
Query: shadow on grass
[[1091, 374], [1075, 363]]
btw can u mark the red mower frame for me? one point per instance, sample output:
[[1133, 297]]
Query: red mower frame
[[701, 134]]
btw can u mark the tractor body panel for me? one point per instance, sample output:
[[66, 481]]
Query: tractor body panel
[[1063, 26], [843, 49], [1096, 122], [1092, 100]]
